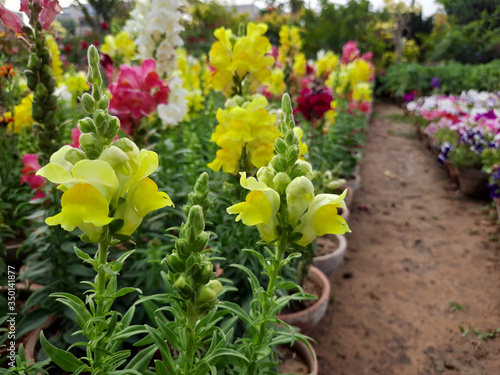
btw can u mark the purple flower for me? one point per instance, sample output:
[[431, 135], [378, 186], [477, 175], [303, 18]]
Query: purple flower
[[435, 83], [493, 184], [408, 97], [490, 115], [446, 147]]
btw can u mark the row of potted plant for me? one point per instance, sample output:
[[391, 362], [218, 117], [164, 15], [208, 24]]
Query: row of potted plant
[[464, 132]]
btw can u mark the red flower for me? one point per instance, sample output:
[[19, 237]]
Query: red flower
[[350, 52], [104, 26], [136, 94], [314, 104], [84, 44], [75, 137], [96, 43], [28, 175], [68, 48]]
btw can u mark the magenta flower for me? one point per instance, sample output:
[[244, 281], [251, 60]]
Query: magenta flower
[[50, 10], [31, 166], [314, 104], [350, 52], [10, 19], [136, 94], [75, 137]]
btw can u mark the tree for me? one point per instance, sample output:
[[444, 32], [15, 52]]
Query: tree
[[466, 11]]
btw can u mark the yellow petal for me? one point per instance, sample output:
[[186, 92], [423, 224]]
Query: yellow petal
[[255, 210], [327, 221], [56, 174], [99, 174], [83, 203], [147, 198]]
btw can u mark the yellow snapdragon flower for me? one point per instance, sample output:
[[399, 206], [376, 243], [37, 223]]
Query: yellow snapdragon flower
[[21, 116], [326, 64], [277, 86], [290, 42], [300, 65], [322, 218], [260, 207], [117, 180], [362, 92], [247, 57], [190, 70], [248, 128], [119, 47], [56, 63], [359, 71], [76, 83]]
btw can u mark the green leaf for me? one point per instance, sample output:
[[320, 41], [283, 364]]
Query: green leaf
[[65, 360], [236, 310], [75, 304], [163, 347], [224, 352], [254, 282], [142, 359], [125, 291], [160, 368]]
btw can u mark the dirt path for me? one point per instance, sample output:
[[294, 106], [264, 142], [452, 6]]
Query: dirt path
[[417, 244]]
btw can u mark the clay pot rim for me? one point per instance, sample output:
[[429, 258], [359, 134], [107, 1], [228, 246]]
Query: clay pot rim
[[311, 359], [318, 275], [340, 249]]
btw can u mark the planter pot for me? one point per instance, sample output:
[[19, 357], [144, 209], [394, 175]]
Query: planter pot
[[305, 357], [330, 262], [307, 318], [32, 342], [354, 181], [349, 196], [451, 170], [419, 132], [345, 214], [473, 183]]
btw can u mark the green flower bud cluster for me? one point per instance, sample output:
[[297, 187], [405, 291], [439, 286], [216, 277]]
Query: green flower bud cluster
[[190, 271], [97, 132], [287, 147], [40, 80]]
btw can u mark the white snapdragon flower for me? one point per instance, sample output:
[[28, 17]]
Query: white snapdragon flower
[[174, 112]]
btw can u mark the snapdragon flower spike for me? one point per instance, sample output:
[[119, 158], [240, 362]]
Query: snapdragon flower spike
[[190, 271], [102, 177], [281, 201]]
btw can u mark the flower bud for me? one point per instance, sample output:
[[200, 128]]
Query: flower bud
[[88, 103], [266, 175], [103, 103], [302, 168], [174, 263], [196, 219], [299, 195], [205, 273], [183, 286], [280, 146], [281, 181], [74, 155], [86, 125], [87, 139], [279, 163], [205, 295]]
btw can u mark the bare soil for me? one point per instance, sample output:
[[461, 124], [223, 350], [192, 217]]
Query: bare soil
[[422, 260], [292, 362], [326, 245]]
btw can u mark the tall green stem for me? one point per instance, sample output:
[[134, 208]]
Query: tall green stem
[[190, 340], [101, 289], [278, 255]]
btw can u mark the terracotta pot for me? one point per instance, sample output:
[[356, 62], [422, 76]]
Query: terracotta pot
[[330, 262], [473, 183], [307, 318], [451, 170], [31, 346], [310, 359]]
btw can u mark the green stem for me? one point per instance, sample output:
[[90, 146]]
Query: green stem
[[190, 340], [279, 251], [100, 290]]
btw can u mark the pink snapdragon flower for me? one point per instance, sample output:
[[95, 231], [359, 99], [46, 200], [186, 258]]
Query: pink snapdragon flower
[[75, 137], [10, 19], [350, 52], [50, 10], [31, 166], [136, 94]]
